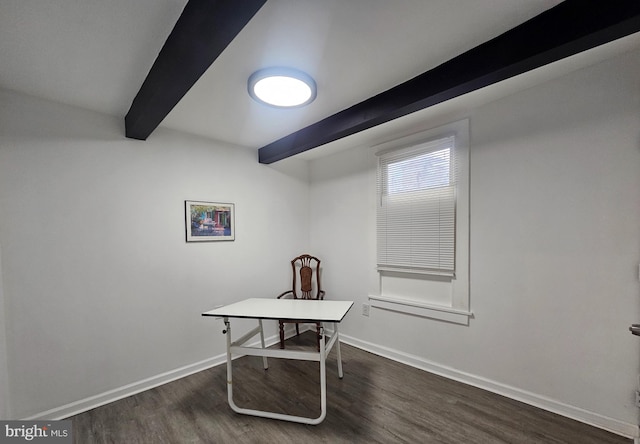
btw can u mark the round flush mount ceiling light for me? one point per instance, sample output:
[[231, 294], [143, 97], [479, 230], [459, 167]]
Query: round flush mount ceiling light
[[282, 87]]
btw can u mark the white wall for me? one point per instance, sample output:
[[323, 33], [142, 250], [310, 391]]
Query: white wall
[[100, 288], [555, 247], [4, 379]]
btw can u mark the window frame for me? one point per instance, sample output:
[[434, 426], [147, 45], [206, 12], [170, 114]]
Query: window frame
[[456, 307]]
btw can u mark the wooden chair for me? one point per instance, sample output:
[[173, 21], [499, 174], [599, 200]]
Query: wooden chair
[[306, 285]]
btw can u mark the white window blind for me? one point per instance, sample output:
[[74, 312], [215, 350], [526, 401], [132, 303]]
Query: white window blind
[[416, 217]]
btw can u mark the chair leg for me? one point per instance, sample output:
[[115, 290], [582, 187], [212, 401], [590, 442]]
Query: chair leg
[[281, 334], [297, 329], [318, 338]]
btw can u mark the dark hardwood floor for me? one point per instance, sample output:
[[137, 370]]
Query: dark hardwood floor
[[378, 401]]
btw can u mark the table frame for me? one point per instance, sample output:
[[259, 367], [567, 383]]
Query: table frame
[[239, 347]]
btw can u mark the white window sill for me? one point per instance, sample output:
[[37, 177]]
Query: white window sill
[[439, 312]]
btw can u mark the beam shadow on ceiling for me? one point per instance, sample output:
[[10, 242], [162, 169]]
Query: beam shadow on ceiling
[[564, 30]]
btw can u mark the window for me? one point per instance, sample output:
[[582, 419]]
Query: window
[[416, 212], [422, 221]]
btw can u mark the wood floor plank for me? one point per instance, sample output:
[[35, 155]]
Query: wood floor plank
[[378, 401]]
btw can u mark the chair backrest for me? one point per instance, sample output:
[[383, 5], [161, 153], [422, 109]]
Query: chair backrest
[[306, 277]]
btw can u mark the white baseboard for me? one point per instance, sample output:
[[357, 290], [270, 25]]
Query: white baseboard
[[107, 397], [594, 419], [110, 396], [613, 425]]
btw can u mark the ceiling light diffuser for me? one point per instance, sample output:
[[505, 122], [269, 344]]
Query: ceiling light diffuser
[[282, 87]]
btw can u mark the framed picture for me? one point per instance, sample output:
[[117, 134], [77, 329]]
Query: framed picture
[[209, 221]]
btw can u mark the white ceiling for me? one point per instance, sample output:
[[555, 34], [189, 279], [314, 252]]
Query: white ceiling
[[95, 54]]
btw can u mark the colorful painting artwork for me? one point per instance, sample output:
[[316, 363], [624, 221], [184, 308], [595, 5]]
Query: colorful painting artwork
[[209, 221]]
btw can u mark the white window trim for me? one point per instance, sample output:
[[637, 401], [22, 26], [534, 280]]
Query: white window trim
[[458, 311], [439, 312]]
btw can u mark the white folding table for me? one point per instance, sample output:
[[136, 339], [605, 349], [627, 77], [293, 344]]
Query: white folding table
[[302, 311]]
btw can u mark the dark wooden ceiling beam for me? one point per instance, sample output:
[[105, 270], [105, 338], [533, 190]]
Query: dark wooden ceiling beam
[[567, 29], [205, 28]]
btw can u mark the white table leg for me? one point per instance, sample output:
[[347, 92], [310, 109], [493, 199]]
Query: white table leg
[[339, 355], [265, 364], [227, 332], [323, 377]]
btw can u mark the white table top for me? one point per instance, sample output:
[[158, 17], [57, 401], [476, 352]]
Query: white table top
[[293, 309]]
